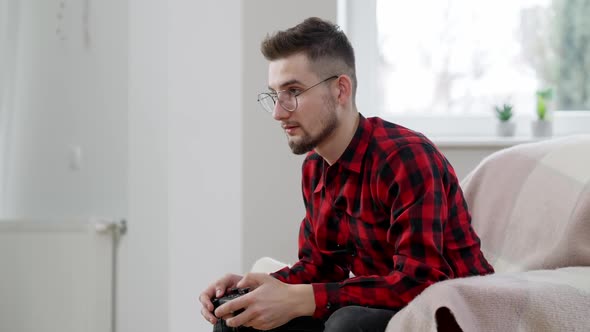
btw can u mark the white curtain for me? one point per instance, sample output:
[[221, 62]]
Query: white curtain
[[9, 19]]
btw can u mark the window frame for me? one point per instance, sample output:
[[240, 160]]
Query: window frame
[[358, 21]]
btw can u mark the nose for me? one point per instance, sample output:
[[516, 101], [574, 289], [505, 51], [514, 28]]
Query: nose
[[279, 113]]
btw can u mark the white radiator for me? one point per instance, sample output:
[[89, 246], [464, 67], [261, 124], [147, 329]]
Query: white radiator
[[57, 277]]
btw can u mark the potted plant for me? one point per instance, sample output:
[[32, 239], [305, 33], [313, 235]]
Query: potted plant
[[542, 126], [505, 127]]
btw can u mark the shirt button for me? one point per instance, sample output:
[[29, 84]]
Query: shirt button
[[328, 306]]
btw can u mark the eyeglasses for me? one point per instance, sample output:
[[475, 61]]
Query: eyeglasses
[[286, 98]]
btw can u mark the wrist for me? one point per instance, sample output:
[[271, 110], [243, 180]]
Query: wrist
[[303, 299]]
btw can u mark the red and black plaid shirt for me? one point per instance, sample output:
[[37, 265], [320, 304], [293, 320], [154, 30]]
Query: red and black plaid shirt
[[390, 211]]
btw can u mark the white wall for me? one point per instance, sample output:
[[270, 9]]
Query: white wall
[[9, 15], [273, 205], [143, 279], [69, 89], [465, 159], [204, 152]]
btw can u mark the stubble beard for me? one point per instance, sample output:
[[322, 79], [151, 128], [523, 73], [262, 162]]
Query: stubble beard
[[328, 124]]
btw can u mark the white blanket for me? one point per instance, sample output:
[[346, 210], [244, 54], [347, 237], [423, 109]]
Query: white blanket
[[543, 300]]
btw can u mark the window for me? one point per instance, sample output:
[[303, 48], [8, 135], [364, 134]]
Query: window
[[457, 59]]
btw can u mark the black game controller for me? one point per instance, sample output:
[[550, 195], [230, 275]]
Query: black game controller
[[231, 294]]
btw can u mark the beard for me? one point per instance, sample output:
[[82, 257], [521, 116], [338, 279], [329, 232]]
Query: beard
[[328, 123]]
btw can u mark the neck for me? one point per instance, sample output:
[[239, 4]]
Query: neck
[[335, 144]]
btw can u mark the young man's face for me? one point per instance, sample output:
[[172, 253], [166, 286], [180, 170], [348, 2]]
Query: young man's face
[[315, 118]]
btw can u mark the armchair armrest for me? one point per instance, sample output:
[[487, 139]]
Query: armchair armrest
[[540, 300]]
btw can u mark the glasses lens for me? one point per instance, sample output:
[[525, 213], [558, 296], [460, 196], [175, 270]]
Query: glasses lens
[[287, 100], [266, 101]]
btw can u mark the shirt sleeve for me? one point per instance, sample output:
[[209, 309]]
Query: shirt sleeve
[[412, 185]]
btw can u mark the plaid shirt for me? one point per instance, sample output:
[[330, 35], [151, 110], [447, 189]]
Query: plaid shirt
[[390, 211]]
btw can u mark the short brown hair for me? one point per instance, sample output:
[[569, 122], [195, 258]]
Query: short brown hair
[[323, 42]]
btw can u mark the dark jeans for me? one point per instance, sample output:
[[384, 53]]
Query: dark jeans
[[346, 319]]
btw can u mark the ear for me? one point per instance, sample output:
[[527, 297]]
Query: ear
[[344, 89]]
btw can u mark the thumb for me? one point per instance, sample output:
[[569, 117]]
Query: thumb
[[253, 280]]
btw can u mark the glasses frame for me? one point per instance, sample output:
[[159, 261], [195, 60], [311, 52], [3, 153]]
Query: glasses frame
[[275, 96]]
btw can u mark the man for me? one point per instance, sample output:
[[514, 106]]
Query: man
[[385, 216]]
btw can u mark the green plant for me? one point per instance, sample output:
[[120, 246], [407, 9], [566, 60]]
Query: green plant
[[543, 98], [504, 113]]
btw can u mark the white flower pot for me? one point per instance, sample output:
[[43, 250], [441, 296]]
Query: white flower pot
[[505, 128], [542, 128]]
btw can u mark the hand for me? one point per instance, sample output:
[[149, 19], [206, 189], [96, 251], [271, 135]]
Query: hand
[[217, 289], [269, 304]]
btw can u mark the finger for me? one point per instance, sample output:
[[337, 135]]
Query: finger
[[205, 300], [243, 318], [207, 295], [253, 280], [224, 283], [219, 288], [216, 289], [208, 292], [208, 316], [234, 305]]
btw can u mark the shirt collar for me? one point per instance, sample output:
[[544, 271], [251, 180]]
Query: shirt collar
[[352, 157]]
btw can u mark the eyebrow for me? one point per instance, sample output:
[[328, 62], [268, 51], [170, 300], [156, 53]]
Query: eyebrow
[[287, 83]]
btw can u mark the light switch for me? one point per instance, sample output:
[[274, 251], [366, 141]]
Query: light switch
[[75, 157]]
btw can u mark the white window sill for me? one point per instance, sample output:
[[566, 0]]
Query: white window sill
[[460, 129]]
